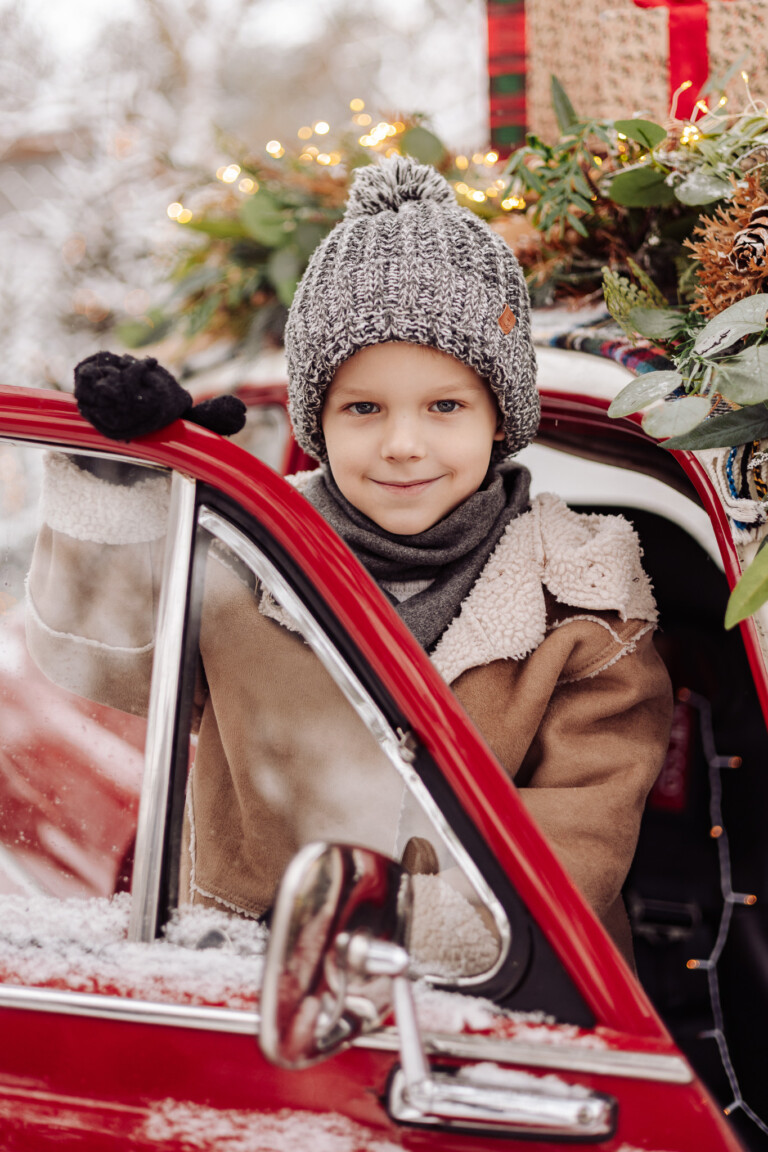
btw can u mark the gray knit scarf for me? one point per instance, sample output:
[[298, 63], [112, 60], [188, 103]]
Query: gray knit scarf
[[452, 553]]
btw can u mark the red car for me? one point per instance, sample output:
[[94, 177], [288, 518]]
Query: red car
[[130, 1019]]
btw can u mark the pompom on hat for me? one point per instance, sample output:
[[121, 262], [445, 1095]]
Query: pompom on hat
[[408, 263]]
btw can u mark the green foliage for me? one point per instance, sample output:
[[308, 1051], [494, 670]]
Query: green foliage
[[656, 323], [677, 417], [751, 592], [726, 431], [641, 187], [626, 301], [643, 132], [423, 145], [645, 389], [564, 111]]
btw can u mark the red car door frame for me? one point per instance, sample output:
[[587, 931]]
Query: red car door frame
[[96, 1067]]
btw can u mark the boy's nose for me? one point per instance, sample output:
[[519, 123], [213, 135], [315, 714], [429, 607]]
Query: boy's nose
[[402, 440]]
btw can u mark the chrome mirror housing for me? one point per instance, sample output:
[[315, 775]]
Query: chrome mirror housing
[[335, 903], [336, 964]]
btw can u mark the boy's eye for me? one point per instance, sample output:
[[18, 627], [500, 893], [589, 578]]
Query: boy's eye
[[363, 408], [446, 406]]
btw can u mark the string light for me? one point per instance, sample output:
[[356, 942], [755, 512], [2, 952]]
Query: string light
[[321, 127], [248, 185], [184, 216], [175, 210], [228, 174], [512, 202], [323, 158], [686, 84], [716, 763], [357, 104], [598, 161], [491, 158], [461, 188], [275, 148], [363, 119], [477, 157], [461, 163], [304, 133], [702, 106]]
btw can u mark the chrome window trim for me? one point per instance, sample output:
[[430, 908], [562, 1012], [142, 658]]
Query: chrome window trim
[[72, 450], [150, 831], [563, 1056], [393, 746]]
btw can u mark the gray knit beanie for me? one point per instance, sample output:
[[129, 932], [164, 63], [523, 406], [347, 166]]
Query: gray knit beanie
[[407, 263]]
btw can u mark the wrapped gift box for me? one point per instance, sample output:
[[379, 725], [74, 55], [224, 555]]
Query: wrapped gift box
[[630, 57]]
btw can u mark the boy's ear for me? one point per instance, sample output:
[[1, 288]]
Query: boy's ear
[[499, 434]]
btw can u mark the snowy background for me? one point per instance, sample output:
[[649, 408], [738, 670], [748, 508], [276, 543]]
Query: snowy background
[[108, 111]]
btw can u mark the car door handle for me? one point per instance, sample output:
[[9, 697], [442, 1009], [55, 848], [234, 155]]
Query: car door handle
[[517, 1103]]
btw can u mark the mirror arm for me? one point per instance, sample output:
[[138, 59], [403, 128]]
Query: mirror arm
[[418, 1095]]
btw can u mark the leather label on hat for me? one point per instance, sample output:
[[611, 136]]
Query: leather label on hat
[[507, 320]]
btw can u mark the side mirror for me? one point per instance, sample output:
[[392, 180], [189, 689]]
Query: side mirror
[[336, 964], [315, 997]]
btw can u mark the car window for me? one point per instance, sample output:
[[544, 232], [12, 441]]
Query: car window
[[288, 749], [71, 764]]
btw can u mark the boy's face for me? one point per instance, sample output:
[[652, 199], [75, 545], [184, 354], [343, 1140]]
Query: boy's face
[[409, 432]]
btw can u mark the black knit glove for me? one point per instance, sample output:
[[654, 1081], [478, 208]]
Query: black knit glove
[[124, 398]]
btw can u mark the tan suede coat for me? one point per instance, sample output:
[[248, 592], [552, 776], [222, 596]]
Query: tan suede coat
[[571, 697]]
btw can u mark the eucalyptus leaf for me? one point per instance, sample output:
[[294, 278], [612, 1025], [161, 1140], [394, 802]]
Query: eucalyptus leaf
[[644, 390], [284, 268], [640, 188], [564, 111], [751, 591], [223, 229], [423, 145], [702, 186], [656, 323], [677, 417], [744, 378], [740, 319], [724, 431], [263, 219], [643, 132]]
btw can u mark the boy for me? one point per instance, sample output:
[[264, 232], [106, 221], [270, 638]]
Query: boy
[[412, 379], [412, 376]]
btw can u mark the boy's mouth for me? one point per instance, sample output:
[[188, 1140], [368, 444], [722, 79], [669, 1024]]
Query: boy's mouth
[[406, 485]]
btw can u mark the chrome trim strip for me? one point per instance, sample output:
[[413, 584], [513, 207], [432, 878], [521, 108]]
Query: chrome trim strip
[[74, 450], [131, 1011], [373, 718], [150, 834], [565, 1057]]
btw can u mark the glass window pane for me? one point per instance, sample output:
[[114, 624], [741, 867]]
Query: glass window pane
[[283, 758], [79, 584]]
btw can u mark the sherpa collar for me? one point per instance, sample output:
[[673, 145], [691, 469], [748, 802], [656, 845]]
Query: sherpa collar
[[586, 561]]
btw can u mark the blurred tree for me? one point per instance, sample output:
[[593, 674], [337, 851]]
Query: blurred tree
[[94, 149]]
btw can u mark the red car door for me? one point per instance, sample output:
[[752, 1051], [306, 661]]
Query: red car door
[[129, 1020]]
